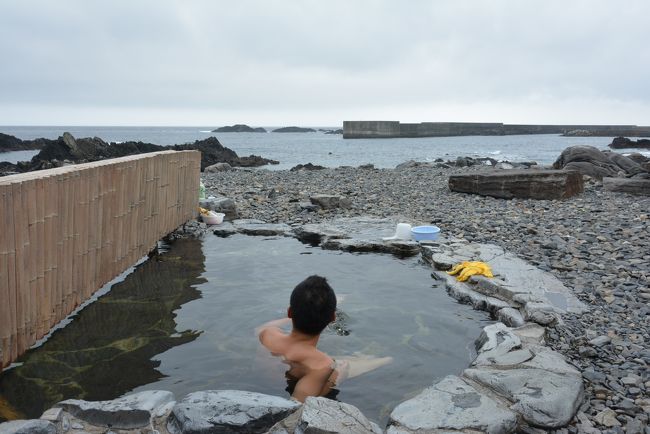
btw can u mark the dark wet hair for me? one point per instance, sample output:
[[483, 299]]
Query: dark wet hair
[[313, 304]]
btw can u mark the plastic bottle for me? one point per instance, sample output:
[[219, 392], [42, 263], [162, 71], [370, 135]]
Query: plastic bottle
[[201, 191]]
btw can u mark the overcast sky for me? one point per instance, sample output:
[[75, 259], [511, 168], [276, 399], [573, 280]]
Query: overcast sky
[[211, 63]]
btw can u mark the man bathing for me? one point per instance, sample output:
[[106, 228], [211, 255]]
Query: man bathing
[[312, 307]]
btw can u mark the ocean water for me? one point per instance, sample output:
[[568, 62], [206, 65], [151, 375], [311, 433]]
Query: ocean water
[[332, 150], [184, 321]]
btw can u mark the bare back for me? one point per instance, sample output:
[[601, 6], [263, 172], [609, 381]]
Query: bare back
[[313, 369]]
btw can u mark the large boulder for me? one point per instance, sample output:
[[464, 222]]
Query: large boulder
[[628, 185], [228, 411], [593, 162], [524, 184]]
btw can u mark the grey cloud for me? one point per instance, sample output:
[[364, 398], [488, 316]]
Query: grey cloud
[[314, 55]]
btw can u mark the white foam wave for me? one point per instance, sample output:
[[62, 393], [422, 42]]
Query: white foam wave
[[205, 131]]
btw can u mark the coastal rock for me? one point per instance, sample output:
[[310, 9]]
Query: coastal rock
[[516, 281], [260, 228], [508, 184], [595, 163], [627, 185], [625, 143], [306, 167], [328, 201], [10, 143], [451, 405], [530, 333], [218, 167], [339, 131], [494, 341], [464, 294], [323, 416], [511, 317], [230, 411], [221, 204], [412, 163], [543, 398], [225, 229], [239, 128], [127, 412], [294, 130], [31, 426]]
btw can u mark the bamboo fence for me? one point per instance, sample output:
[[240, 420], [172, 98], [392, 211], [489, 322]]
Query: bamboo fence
[[66, 232]]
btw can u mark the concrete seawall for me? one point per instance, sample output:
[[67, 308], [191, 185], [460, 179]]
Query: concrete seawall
[[395, 129]]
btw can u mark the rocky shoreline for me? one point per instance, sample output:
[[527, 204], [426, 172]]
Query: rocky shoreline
[[595, 244]]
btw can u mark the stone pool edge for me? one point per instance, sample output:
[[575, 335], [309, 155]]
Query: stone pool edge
[[514, 383]]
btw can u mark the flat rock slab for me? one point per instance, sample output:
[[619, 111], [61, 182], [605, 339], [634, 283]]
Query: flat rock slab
[[228, 411], [357, 234], [524, 184], [516, 281], [543, 398], [452, 405], [260, 228], [628, 185], [127, 412], [32, 426]]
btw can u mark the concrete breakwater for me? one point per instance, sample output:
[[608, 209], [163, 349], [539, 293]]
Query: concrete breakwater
[[68, 231], [396, 129]]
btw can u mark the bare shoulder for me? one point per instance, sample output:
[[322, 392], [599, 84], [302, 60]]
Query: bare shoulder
[[272, 338]]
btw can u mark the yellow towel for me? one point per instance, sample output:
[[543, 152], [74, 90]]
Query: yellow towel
[[467, 269]]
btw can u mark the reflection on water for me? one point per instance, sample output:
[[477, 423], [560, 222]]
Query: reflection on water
[[107, 350], [218, 290]]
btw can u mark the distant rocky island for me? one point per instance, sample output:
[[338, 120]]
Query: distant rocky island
[[69, 150], [294, 130], [239, 128]]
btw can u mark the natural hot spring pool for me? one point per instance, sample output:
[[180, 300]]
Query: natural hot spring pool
[[183, 321]]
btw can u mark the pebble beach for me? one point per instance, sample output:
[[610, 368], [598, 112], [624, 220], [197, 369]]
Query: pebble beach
[[597, 243]]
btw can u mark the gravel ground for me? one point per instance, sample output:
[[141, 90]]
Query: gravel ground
[[597, 243]]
